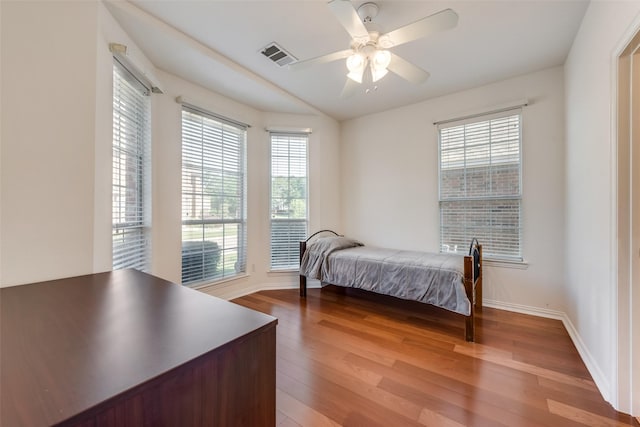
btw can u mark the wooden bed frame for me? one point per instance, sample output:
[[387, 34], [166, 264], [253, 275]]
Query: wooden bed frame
[[473, 288]]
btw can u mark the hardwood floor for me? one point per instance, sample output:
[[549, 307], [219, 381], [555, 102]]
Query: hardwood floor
[[351, 358]]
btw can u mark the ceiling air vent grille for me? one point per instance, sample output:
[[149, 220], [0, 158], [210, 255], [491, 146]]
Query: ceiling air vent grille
[[277, 54]]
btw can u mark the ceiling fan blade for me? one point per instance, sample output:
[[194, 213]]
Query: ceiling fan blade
[[348, 18], [300, 65], [350, 89], [407, 70], [440, 21]]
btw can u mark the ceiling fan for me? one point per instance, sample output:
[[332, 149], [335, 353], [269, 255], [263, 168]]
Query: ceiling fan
[[370, 49]]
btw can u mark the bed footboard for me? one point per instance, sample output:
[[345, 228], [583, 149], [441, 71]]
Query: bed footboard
[[473, 286], [469, 326], [303, 279]]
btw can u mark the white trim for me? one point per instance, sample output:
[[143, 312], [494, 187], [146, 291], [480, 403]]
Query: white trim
[[614, 391], [233, 293], [284, 271], [601, 380], [230, 293], [598, 376], [199, 286], [524, 309], [623, 403], [518, 265]]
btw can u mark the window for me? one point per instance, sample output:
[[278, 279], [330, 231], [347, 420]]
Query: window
[[213, 197], [288, 198], [130, 190], [480, 185]]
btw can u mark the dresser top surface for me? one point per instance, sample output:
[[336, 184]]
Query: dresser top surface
[[70, 344]]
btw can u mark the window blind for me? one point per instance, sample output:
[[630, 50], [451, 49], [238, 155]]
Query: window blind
[[130, 171], [480, 185], [213, 198], [289, 200]]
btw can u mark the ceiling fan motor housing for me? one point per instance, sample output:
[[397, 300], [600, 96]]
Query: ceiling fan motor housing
[[367, 11]]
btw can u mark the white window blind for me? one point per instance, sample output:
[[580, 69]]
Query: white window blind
[[480, 185], [130, 171], [289, 200], [213, 197]]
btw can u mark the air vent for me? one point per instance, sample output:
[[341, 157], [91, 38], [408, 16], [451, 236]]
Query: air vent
[[278, 54]]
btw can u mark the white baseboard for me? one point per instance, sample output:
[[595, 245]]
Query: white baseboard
[[524, 309], [598, 376], [596, 373], [231, 292]]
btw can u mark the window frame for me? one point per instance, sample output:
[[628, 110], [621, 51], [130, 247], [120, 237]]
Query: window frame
[[294, 261], [216, 123], [513, 258], [136, 253]]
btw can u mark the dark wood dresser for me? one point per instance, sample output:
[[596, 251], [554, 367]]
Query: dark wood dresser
[[124, 348]]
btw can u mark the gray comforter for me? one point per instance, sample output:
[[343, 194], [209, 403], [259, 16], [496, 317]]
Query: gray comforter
[[431, 278]]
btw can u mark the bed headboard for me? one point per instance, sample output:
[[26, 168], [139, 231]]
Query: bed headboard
[[303, 243], [320, 232]]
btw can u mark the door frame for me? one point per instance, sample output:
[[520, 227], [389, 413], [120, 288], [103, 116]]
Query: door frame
[[626, 222]]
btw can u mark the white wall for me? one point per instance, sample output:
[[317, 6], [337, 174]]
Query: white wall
[[56, 177], [390, 181], [48, 129], [590, 208], [1, 142]]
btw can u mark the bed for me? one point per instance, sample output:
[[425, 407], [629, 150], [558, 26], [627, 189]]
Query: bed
[[449, 281]]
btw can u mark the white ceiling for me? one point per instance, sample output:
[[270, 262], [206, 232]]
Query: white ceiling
[[217, 44]]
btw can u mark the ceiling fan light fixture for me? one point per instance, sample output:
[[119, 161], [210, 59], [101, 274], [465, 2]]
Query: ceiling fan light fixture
[[356, 64], [379, 62], [356, 76], [377, 74], [381, 59]]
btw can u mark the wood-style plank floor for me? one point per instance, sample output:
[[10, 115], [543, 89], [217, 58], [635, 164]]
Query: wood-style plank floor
[[351, 358]]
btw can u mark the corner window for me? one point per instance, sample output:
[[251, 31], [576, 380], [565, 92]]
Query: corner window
[[289, 201], [480, 185], [213, 197], [130, 171]]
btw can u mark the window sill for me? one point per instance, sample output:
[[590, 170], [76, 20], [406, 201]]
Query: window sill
[[502, 263], [202, 285], [281, 272]]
